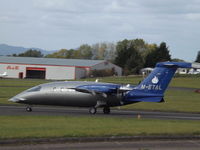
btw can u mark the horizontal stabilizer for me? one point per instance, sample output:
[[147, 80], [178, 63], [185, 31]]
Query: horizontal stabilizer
[[174, 64]]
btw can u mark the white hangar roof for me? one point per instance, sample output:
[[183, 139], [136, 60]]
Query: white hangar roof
[[50, 61]]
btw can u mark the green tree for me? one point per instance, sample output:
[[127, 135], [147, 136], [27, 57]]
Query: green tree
[[70, 53], [162, 53], [177, 60], [134, 62], [128, 57], [140, 45], [122, 53], [63, 53], [99, 51], [159, 54], [110, 52], [30, 53], [85, 51], [198, 57], [150, 59]]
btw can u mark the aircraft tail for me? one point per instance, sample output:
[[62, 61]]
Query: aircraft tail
[[152, 88]]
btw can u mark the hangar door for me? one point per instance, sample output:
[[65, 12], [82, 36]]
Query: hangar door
[[35, 73]]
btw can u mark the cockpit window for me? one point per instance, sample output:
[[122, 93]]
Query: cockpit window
[[34, 89]]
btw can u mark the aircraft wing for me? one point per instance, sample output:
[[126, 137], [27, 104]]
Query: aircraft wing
[[101, 101], [104, 90], [98, 88], [92, 92]]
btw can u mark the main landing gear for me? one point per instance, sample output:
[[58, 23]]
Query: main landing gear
[[106, 110], [93, 110], [28, 109]]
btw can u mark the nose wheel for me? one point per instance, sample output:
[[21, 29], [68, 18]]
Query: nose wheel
[[28, 109], [92, 110]]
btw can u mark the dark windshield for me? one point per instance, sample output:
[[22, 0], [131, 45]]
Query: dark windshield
[[34, 89]]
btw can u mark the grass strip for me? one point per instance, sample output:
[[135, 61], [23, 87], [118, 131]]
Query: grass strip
[[175, 100], [68, 126]]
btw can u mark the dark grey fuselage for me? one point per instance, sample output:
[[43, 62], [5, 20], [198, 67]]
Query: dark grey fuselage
[[64, 94]]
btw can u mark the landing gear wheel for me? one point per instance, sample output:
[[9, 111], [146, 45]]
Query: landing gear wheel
[[92, 110], [28, 109], [106, 110]]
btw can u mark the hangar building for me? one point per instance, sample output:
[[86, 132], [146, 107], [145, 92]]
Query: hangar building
[[52, 68]]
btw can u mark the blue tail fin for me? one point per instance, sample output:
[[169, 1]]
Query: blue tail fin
[[152, 88]]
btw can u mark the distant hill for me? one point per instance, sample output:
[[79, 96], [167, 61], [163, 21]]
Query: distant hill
[[9, 50]]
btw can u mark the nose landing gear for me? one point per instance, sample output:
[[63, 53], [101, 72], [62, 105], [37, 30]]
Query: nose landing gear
[[28, 109], [92, 110]]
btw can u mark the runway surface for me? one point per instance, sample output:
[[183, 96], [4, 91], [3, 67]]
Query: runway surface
[[61, 111], [131, 145]]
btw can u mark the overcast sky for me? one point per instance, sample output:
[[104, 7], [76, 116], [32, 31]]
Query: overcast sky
[[56, 24]]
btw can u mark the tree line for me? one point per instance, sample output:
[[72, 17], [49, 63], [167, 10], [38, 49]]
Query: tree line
[[131, 55]]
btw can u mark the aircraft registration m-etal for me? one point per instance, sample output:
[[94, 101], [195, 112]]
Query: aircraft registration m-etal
[[102, 95]]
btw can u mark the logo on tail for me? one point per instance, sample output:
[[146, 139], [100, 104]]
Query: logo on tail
[[155, 80]]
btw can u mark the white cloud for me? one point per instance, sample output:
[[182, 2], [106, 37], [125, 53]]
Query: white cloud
[[55, 24], [193, 16]]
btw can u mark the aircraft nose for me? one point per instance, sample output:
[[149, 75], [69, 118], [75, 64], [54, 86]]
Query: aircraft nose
[[16, 99], [13, 99]]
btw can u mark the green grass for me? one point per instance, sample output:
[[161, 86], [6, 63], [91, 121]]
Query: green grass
[[186, 82], [22, 82], [175, 100], [66, 126]]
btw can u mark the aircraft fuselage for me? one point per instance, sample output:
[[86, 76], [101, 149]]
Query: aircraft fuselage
[[64, 94]]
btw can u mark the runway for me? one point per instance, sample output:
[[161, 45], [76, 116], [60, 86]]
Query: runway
[[62, 111]]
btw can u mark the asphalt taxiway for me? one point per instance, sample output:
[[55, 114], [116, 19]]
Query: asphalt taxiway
[[61, 111]]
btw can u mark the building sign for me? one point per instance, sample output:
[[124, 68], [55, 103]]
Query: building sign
[[12, 68]]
